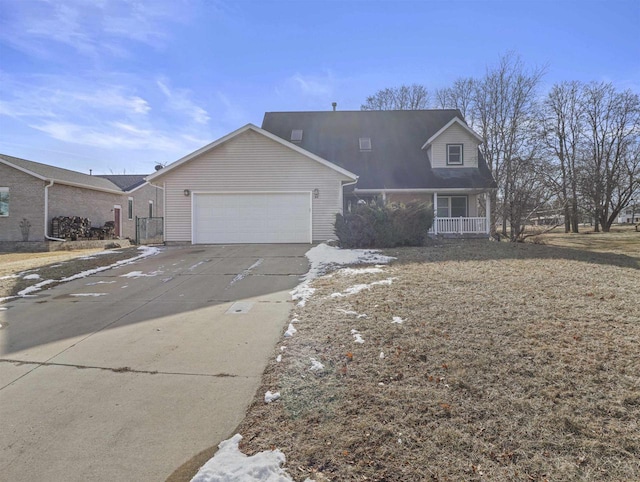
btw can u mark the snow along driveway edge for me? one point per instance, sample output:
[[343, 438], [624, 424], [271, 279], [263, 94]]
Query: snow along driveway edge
[[229, 464]]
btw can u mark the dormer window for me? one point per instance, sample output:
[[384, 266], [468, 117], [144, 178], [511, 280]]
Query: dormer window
[[296, 135], [365, 143], [454, 155]]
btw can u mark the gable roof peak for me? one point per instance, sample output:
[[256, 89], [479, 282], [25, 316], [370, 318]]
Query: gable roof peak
[[461, 123]]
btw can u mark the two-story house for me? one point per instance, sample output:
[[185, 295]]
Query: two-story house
[[285, 182]]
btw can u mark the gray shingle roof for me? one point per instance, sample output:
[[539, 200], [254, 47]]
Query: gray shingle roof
[[126, 182], [396, 159], [60, 174]]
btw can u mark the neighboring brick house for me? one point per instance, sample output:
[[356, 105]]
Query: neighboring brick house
[[38, 193]]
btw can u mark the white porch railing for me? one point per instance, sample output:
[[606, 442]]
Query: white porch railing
[[460, 226]]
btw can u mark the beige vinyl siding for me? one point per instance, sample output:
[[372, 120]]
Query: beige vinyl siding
[[246, 163], [455, 134]]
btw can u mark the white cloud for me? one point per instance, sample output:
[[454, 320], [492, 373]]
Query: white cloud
[[103, 115], [51, 96], [91, 28], [113, 135], [316, 86], [179, 101]]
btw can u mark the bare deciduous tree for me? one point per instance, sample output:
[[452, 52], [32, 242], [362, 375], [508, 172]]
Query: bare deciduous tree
[[405, 97], [505, 109], [561, 131], [459, 96], [611, 157]]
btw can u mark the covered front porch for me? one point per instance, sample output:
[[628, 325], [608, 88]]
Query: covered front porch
[[461, 213], [457, 212]]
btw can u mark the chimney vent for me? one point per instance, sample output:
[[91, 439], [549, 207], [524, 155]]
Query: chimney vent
[[91, 172], [334, 105]]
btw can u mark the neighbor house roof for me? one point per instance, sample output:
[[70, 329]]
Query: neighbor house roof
[[46, 172], [126, 182], [396, 159]]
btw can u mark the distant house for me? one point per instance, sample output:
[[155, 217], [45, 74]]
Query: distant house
[[630, 214], [286, 181], [38, 193]]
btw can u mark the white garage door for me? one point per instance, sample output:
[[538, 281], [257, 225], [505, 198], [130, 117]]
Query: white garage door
[[275, 217]]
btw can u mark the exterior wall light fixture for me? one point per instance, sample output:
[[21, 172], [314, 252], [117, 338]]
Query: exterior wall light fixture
[[187, 192], [316, 193]]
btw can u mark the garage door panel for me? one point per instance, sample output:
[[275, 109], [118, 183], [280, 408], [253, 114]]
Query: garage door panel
[[252, 218]]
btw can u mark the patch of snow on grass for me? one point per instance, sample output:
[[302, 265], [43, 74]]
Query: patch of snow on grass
[[323, 258], [290, 331], [229, 464], [271, 396], [36, 287], [352, 290], [351, 312], [357, 271], [357, 337], [146, 251], [397, 319], [279, 358], [32, 276], [316, 366], [9, 276]]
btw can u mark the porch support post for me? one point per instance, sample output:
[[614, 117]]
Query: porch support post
[[487, 199], [435, 213]]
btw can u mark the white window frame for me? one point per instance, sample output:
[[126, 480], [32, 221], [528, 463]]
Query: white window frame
[[5, 190], [364, 143], [296, 135], [455, 163], [130, 208], [449, 198], [150, 209]]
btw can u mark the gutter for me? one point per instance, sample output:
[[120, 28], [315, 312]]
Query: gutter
[[46, 212]]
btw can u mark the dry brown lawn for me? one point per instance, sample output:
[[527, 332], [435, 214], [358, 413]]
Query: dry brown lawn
[[514, 362]]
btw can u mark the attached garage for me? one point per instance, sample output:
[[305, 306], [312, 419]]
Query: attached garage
[[254, 217], [251, 187]]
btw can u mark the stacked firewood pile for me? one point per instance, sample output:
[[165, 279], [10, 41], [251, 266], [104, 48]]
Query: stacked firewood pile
[[70, 227], [75, 227]]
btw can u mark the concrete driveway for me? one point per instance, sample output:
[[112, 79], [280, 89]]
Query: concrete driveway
[[127, 374]]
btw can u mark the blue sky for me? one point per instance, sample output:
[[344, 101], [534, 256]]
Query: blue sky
[[117, 86]]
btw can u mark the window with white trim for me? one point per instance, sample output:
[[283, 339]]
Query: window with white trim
[[296, 135], [130, 208], [150, 209], [455, 155], [452, 206], [4, 201], [365, 143]]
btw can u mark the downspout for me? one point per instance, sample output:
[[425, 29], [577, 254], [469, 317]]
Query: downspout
[[342, 191], [46, 212]]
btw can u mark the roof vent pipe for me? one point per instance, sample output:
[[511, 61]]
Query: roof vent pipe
[[334, 105]]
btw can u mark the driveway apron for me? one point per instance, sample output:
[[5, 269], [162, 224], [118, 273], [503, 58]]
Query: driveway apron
[[127, 374]]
